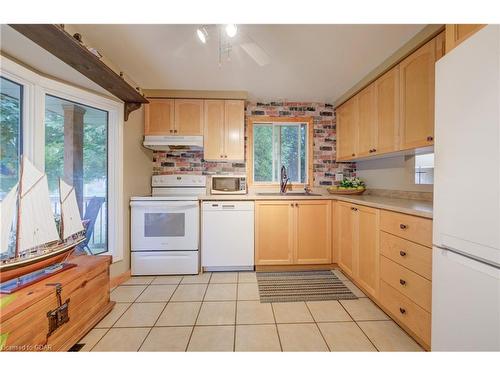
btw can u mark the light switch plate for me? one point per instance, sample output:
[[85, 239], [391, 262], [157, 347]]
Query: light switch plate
[[339, 176]]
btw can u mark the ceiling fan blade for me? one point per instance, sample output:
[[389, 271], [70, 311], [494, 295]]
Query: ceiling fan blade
[[256, 53]]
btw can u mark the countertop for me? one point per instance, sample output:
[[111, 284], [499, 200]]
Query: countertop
[[406, 206]]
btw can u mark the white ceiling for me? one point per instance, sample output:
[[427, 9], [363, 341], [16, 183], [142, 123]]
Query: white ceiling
[[308, 62]]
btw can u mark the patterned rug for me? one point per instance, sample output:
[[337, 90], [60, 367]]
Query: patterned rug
[[301, 286]]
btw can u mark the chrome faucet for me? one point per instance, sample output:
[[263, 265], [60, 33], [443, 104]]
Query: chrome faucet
[[283, 180]]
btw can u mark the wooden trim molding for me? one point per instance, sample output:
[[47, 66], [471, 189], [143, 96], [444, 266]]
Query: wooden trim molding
[[274, 119], [120, 279]]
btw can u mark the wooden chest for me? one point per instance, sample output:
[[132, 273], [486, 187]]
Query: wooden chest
[[24, 320]]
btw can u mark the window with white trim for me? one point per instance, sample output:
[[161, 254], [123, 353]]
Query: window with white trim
[[70, 133]]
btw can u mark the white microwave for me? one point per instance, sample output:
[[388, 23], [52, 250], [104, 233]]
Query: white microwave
[[228, 184]]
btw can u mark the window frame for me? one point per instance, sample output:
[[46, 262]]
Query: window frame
[[308, 121], [35, 87]]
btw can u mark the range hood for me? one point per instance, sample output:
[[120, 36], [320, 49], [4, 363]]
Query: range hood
[[173, 142]]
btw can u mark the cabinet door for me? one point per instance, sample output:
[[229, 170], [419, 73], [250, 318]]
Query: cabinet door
[[274, 232], [213, 140], [367, 249], [456, 34], [345, 236], [440, 45], [367, 122], [188, 117], [234, 143], [159, 117], [347, 123], [387, 99], [417, 97], [313, 232]]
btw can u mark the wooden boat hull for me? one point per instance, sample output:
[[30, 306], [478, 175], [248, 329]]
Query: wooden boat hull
[[11, 271]]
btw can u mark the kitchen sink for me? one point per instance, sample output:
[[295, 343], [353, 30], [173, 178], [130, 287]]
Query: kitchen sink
[[298, 194]]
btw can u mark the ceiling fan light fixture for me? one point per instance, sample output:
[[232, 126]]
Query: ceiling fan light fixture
[[202, 34], [231, 30]]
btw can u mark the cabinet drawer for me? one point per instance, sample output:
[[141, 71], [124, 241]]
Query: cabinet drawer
[[412, 228], [413, 256], [410, 284], [407, 312]]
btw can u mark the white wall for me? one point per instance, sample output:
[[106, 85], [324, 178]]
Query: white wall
[[137, 171], [393, 173]]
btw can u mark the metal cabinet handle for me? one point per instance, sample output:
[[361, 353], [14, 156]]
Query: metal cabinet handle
[[296, 205], [402, 253], [430, 138], [175, 131], [402, 282], [353, 154], [403, 226], [402, 311], [354, 208], [291, 204]]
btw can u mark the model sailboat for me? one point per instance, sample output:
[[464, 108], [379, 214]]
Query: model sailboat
[[38, 243]]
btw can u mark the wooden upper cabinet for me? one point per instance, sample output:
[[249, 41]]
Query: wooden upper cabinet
[[416, 74], [345, 237], [313, 232], [213, 134], [274, 232], [387, 103], [234, 130], [188, 118], [159, 117], [456, 34], [347, 124], [440, 45], [367, 122], [367, 270]]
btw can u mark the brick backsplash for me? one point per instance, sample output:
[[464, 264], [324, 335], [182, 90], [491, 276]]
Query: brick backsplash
[[325, 167]]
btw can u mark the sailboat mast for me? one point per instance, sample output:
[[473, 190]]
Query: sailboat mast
[[18, 219]]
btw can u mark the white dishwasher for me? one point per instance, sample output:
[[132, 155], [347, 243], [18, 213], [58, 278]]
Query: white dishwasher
[[227, 236]]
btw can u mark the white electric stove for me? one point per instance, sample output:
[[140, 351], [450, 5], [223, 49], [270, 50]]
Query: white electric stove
[[165, 226]]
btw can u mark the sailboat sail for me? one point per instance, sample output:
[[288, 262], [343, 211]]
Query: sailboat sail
[[70, 213], [37, 226], [7, 209]]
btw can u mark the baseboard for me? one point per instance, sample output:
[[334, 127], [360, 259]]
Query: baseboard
[[117, 280], [296, 267]]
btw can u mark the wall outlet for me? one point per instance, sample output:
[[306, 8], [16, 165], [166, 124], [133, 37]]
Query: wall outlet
[[339, 176]]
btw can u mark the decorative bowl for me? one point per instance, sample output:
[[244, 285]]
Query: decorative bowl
[[337, 190]]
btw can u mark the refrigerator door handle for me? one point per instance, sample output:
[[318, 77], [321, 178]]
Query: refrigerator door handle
[[473, 257]]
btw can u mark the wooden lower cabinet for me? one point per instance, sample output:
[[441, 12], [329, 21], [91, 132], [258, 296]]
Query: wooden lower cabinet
[[273, 233], [293, 232], [367, 258], [313, 243], [357, 244], [388, 255], [406, 312], [345, 237]]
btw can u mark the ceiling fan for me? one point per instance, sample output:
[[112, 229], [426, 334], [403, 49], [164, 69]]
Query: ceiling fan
[[226, 41]]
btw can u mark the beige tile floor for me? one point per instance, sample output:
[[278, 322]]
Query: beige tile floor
[[222, 312]]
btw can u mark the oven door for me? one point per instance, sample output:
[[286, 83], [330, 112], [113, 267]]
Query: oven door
[[164, 225]]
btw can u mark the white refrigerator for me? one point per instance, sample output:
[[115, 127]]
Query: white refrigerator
[[466, 232]]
